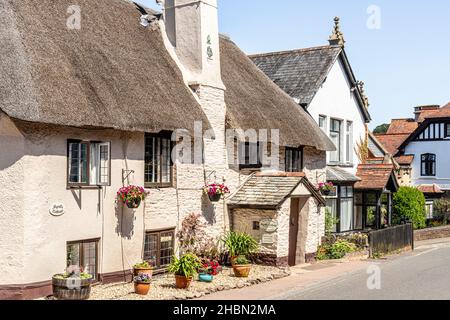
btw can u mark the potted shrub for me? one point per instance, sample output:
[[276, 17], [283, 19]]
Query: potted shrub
[[143, 268], [74, 284], [241, 267], [326, 188], [184, 269], [132, 196], [142, 284], [216, 191], [239, 244], [209, 269]]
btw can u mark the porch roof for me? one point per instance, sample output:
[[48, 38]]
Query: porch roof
[[430, 189], [340, 175], [376, 177], [270, 190]]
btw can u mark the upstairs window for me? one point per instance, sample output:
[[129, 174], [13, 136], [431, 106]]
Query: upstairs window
[[335, 136], [428, 166], [349, 142], [447, 130], [158, 163], [323, 123], [250, 155], [294, 160], [89, 163]]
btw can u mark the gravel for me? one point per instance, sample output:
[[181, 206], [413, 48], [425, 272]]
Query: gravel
[[163, 286]]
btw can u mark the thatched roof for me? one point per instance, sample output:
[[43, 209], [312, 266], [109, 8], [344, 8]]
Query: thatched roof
[[112, 73], [255, 102]]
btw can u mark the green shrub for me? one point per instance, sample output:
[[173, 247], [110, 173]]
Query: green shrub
[[330, 222], [337, 250], [241, 260], [409, 204], [240, 244], [186, 266]]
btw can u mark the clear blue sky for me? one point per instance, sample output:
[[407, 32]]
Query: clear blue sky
[[404, 64]]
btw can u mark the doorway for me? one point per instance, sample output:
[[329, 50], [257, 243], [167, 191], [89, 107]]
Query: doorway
[[297, 231]]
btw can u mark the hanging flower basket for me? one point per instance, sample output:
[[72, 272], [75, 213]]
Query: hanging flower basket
[[132, 196], [216, 191], [326, 188]]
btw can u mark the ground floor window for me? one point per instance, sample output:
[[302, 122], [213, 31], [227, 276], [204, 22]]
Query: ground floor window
[[340, 206], [159, 247], [373, 210], [84, 254], [429, 209]]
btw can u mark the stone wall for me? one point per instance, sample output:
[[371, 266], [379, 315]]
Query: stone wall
[[432, 233]]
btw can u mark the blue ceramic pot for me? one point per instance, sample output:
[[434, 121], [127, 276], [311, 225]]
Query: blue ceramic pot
[[205, 278]]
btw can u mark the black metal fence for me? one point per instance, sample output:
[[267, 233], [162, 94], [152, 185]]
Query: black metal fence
[[391, 239]]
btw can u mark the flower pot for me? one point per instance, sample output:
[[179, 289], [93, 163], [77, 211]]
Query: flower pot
[[205, 277], [141, 288], [71, 288], [215, 197], [242, 271], [134, 204], [182, 282], [138, 271]]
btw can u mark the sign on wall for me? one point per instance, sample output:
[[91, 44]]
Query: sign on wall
[[57, 209], [269, 225]]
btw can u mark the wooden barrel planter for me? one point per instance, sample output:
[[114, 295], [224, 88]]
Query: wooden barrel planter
[[242, 271], [71, 288]]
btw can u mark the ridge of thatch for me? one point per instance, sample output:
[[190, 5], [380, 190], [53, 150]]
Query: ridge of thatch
[[112, 73], [255, 102]]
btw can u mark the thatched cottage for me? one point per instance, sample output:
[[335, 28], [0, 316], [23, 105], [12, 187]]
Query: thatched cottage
[[89, 98]]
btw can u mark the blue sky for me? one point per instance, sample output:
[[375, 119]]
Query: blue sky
[[404, 63]]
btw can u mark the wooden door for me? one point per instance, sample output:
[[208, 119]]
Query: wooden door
[[293, 231]]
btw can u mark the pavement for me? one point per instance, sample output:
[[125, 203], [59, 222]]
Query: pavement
[[422, 274]]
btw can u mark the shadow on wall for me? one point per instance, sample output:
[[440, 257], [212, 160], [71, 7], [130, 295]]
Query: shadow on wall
[[125, 221], [208, 210]]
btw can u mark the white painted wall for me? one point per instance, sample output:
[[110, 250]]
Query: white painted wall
[[442, 151], [335, 100]]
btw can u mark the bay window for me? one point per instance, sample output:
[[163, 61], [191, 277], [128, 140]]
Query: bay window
[[158, 163], [340, 206], [89, 163]]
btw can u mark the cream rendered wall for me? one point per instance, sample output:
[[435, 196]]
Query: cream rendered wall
[[89, 214], [12, 148], [335, 100]]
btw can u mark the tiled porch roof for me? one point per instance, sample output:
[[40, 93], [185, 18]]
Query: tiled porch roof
[[338, 174], [270, 190], [405, 160], [374, 176], [430, 189]]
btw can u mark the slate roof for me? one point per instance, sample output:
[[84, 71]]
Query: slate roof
[[269, 191], [300, 73], [337, 174], [375, 176]]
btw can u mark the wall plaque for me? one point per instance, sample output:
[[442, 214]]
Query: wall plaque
[[268, 239], [269, 225], [57, 209]]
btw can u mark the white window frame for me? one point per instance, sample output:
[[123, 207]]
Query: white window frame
[[349, 142]]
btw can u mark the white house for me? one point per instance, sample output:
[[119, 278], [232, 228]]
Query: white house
[[321, 81]]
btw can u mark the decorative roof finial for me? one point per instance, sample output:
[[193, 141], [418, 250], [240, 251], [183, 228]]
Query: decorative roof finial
[[364, 97], [337, 37]]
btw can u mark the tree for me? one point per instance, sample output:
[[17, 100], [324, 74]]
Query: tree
[[409, 204], [381, 129]]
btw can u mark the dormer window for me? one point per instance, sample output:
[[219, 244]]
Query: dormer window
[[428, 165]]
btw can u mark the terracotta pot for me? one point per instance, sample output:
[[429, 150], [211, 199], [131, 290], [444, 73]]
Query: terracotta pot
[[141, 288], [71, 289], [215, 198], [138, 271], [242, 271], [182, 282], [134, 204]]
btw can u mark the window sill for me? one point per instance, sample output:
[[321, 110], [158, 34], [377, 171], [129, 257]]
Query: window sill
[[153, 187], [84, 187], [343, 165]]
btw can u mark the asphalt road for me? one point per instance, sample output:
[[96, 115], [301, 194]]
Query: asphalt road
[[423, 274]]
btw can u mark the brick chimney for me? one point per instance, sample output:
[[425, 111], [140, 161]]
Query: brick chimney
[[193, 30], [420, 109]]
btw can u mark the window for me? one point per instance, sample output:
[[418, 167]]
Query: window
[[323, 123], [250, 155], [294, 160], [84, 254], [335, 135], [346, 208], [332, 206], [89, 163], [349, 142], [159, 247], [429, 209], [447, 130], [256, 225], [428, 165], [158, 163]]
